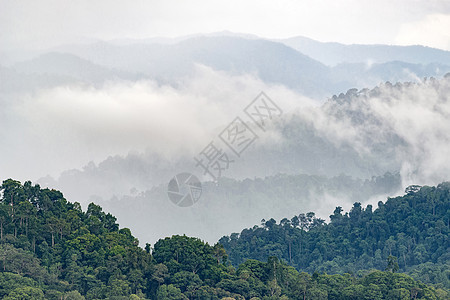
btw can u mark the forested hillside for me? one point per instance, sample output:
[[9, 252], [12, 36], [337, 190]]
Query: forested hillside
[[413, 228], [52, 249]]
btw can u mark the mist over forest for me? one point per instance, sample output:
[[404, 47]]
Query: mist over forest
[[113, 122], [157, 150]]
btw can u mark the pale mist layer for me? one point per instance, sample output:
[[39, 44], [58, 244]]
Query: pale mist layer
[[400, 128], [315, 156]]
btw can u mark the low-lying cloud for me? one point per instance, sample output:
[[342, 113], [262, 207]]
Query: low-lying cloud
[[66, 127], [403, 128], [411, 120]]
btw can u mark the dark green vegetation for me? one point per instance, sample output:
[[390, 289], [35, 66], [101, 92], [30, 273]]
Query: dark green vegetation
[[414, 228], [51, 249]]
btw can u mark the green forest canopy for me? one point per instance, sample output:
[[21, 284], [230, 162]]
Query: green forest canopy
[[51, 249]]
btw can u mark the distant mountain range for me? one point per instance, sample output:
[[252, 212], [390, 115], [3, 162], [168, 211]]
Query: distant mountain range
[[307, 66], [270, 61], [332, 54]]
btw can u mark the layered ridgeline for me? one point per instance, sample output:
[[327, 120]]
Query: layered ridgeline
[[399, 127], [311, 158], [275, 62], [51, 249], [413, 228], [360, 133]]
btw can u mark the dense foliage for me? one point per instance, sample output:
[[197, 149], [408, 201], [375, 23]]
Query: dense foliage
[[62, 249], [414, 228], [51, 249]]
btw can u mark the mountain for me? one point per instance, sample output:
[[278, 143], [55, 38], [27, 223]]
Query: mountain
[[270, 61], [56, 69], [363, 74], [332, 54], [14, 82], [69, 66], [283, 62]]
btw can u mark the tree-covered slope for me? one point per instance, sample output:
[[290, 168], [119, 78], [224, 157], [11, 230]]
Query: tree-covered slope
[[414, 228], [64, 249], [52, 249]]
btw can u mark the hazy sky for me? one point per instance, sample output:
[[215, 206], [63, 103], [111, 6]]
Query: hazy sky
[[46, 23]]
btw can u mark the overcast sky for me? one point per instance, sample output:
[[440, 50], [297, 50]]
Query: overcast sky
[[46, 23]]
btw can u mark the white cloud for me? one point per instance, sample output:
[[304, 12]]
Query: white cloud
[[418, 115], [67, 126], [430, 31]]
